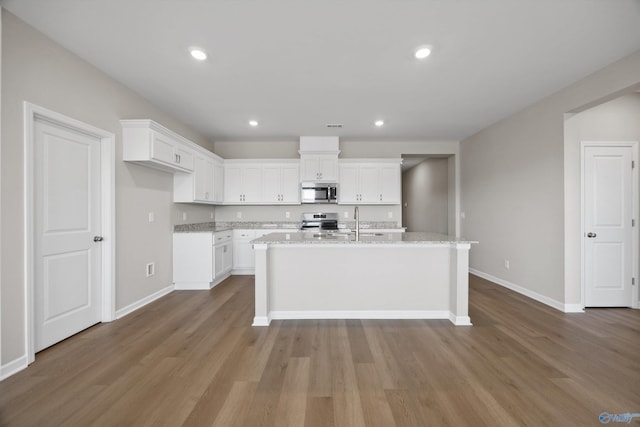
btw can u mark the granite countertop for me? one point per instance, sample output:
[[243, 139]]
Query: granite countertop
[[215, 227], [365, 237]]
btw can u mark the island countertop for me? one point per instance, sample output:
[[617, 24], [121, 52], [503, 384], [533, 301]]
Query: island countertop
[[366, 237]]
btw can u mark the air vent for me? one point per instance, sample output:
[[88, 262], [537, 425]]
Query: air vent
[[334, 125]]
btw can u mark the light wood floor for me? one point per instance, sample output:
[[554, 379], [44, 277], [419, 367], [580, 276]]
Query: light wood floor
[[191, 358]]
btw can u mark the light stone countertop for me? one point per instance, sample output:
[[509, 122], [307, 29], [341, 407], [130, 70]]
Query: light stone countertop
[[365, 237], [266, 225]]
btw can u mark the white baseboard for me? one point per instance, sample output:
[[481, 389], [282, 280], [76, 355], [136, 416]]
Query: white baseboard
[[261, 321], [243, 272], [192, 286], [565, 308], [381, 314], [460, 320], [13, 367], [144, 301]]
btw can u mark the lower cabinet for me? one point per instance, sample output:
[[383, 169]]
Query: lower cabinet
[[201, 260], [243, 258]]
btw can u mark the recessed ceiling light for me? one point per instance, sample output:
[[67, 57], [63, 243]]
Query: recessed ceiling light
[[198, 53], [422, 52], [379, 123], [253, 123]]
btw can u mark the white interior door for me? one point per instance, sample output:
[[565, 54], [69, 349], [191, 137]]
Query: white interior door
[[67, 260], [608, 210]]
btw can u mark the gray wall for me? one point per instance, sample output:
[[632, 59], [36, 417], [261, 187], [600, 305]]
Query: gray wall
[[425, 196], [37, 70], [513, 185], [616, 120]]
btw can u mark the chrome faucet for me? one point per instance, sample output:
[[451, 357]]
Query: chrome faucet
[[356, 216]]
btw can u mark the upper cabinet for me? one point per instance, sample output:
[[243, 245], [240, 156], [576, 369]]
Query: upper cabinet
[[261, 182], [281, 183], [242, 182], [319, 167], [370, 182], [319, 158], [150, 144], [204, 185]]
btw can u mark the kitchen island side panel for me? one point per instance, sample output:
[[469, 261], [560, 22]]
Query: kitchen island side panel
[[347, 278]]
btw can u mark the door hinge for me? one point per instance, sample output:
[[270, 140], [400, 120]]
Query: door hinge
[[633, 164], [633, 280], [633, 222]]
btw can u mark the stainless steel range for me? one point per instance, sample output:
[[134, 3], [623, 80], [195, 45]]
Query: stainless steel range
[[319, 221]]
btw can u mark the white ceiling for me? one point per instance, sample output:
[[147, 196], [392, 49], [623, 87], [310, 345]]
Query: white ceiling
[[296, 65]]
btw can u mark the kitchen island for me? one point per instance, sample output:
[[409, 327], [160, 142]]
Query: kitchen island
[[376, 276]]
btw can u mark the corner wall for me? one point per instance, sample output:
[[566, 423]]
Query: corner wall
[[37, 70], [513, 187]]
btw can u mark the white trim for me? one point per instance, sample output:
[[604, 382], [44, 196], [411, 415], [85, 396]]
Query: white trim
[[261, 321], [460, 320], [565, 308], [635, 244], [13, 367], [107, 168], [192, 286], [364, 314], [144, 301]]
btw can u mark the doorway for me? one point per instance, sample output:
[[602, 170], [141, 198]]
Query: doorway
[[428, 193], [70, 230], [609, 233]]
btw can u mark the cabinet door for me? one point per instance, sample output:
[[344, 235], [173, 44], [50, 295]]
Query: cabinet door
[[271, 184], [218, 262], [252, 183], [369, 184], [390, 184], [227, 257], [232, 184], [162, 148], [243, 255], [290, 180], [309, 168], [183, 157], [348, 190], [203, 179], [328, 168], [218, 182]]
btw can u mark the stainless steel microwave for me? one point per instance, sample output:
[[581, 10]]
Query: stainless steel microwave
[[319, 192]]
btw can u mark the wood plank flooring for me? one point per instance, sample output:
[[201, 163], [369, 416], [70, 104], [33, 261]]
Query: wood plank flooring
[[192, 358]]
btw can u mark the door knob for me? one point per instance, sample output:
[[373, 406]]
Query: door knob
[[98, 238], [591, 235]]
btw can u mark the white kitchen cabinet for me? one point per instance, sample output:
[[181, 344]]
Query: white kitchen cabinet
[[280, 183], [201, 185], [218, 182], [201, 260], [319, 167], [243, 257], [370, 182], [150, 144], [262, 182], [242, 183]]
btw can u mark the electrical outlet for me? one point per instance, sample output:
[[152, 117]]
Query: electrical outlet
[[463, 215], [151, 269], [346, 214], [390, 214], [287, 215], [211, 216], [152, 216], [184, 216], [239, 215], [506, 264]]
